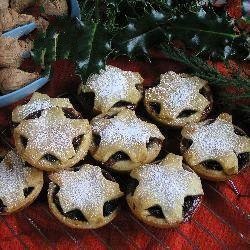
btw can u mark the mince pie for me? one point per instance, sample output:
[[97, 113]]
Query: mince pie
[[122, 142], [37, 104], [20, 184], [178, 99], [54, 140], [164, 194], [215, 148], [85, 197], [112, 88]]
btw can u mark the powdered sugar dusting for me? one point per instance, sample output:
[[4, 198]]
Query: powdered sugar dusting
[[112, 85], [167, 186], [214, 140], [35, 106], [176, 93], [109, 83], [38, 102], [52, 133], [86, 190], [12, 179], [127, 130]]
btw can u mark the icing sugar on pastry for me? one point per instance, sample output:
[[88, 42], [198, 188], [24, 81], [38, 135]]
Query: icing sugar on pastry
[[12, 179], [166, 184], [178, 92], [112, 85], [215, 140], [126, 130], [86, 190], [38, 102], [51, 133]]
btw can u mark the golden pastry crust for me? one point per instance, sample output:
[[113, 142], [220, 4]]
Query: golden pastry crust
[[38, 102], [13, 50], [165, 186], [214, 148], [12, 79], [113, 86], [122, 133], [10, 19], [53, 141], [16, 182], [20, 5], [86, 191], [179, 99], [54, 7]]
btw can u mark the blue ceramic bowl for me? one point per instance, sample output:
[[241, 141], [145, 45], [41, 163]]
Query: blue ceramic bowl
[[21, 93]]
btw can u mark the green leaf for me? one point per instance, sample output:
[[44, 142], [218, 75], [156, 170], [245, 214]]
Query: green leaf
[[94, 48], [218, 81], [140, 35], [85, 44]]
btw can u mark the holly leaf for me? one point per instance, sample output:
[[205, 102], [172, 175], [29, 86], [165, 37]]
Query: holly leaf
[[203, 31], [94, 46], [87, 45], [140, 34]]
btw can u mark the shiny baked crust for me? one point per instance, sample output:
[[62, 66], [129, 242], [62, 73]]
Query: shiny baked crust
[[38, 102], [53, 141], [124, 132], [86, 190], [180, 98], [112, 86], [217, 141], [164, 184], [16, 179]]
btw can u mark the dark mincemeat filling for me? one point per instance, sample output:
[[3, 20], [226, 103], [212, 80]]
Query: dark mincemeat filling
[[186, 143], [34, 115], [71, 113], [24, 141], [108, 208], [50, 158], [27, 191], [77, 141], [119, 104], [186, 113], [108, 176], [118, 156], [131, 186], [243, 160], [212, 165], [154, 140], [88, 99], [2, 207], [155, 107], [75, 214], [189, 207], [156, 212], [205, 92], [239, 132], [96, 139]]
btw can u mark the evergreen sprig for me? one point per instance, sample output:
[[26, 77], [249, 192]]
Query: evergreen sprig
[[220, 82]]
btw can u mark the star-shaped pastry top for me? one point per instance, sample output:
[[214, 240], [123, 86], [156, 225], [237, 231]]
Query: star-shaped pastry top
[[113, 85], [38, 102], [166, 184], [13, 177], [216, 141], [51, 133], [125, 132], [86, 190], [177, 92]]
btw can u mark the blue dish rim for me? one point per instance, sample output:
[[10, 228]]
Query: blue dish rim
[[30, 88]]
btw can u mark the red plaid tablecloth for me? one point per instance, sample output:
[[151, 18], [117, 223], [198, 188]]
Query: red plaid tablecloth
[[221, 221]]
